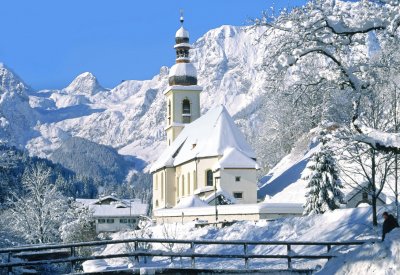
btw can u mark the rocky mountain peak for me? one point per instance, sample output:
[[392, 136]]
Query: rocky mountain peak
[[85, 84], [11, 82]]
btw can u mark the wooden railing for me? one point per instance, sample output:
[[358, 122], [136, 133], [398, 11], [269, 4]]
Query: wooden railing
[[191, 253]]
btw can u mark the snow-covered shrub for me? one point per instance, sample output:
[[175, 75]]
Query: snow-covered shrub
[[143, 232], [78, 226]]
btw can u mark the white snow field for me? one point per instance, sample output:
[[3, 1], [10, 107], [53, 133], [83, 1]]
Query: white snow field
[[339, 225]]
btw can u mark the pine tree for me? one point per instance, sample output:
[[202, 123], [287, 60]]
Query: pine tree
[[323, 184]]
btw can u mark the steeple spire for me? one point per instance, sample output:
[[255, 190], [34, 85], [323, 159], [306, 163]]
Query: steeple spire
[[183, 93], [183, 72]]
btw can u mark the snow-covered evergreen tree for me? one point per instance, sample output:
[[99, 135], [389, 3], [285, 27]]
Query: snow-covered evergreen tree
[[323, 184]]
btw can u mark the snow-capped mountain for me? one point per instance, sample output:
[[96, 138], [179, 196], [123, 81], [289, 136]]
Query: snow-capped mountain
[[17, 117], [130, 117], [84, 84]]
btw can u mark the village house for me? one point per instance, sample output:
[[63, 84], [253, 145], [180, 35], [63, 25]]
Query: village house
[[361, 196], [113, 214]]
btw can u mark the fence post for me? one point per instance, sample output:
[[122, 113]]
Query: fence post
[[9, 261], [246, 259], [289, 258], [193, 259], [328, 247], [136, 250], [72, 261]]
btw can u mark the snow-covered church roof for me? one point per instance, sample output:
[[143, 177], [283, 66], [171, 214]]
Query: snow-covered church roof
[[213, 134]]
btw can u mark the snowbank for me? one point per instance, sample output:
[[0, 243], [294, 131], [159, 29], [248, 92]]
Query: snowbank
[[339, 225], [376, 258], [190, 201]]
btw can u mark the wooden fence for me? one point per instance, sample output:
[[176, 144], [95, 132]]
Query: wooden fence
[[190, 253]]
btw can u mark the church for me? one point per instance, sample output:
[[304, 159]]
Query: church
[[207, 160]]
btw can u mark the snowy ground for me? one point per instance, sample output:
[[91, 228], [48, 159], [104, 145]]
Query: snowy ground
[[339, 225]]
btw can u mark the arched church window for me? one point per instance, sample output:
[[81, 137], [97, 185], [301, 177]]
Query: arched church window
[[188, 183], [183, 185], [209, 177], [186, 111], [194, 181], [162, 185], [177, 187], [186, 106]]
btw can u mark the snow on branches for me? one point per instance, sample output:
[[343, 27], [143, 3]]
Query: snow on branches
[[336, 35], [38, 215]]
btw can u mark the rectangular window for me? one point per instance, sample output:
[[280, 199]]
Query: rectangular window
[[110, 220], [132, 220], [238, 195], [237, 178], [101, 220], [123, 221]]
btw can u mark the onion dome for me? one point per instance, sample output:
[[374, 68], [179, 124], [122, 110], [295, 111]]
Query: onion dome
[[183, 72]]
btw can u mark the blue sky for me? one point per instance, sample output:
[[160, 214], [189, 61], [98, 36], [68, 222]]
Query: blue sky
[[49, 42]]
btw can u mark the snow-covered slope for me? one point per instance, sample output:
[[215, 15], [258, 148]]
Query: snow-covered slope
[[284, 183]]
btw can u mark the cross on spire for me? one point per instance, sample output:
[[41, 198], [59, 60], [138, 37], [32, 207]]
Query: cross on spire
[[181, 19]]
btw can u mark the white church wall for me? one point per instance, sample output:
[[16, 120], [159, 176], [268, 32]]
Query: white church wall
[[193, 176], [164, 188], [170, 196], [203, 166], [240, 181], [177, 98]]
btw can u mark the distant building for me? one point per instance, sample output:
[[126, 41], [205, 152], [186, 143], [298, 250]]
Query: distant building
[[207, 154], [112, 214], [361, 195]]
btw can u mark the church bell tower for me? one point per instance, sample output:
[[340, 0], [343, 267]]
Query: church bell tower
[[183, 93]]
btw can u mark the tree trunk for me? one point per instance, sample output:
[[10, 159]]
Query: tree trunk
[[396, 191], [396, 164], [373, 187], [374, 215]]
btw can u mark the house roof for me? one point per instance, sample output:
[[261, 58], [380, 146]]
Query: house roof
[[233, 158], [110, 210], [208, 136], [119, 208], [364, 186]]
